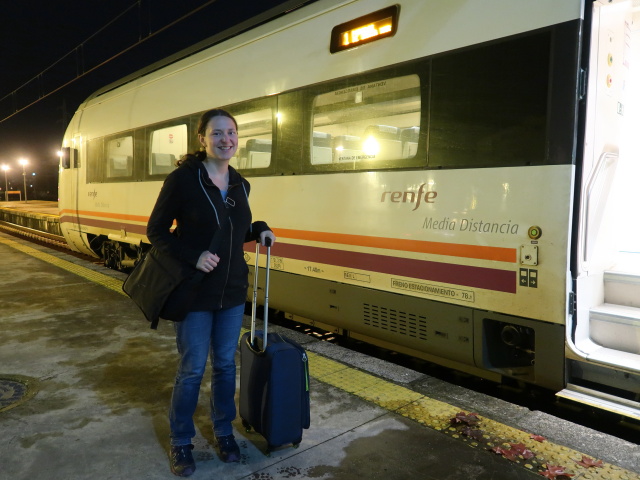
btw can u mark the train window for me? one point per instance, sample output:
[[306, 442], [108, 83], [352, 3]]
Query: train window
[[489, 104], [95, 160], [368, 125], [119, 157], [167, 145], [255, 136], [69, 157]]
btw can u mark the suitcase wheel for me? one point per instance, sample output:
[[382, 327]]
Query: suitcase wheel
[[246, 425]]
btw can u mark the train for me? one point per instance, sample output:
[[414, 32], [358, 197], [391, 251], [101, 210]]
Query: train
[[442, 177]]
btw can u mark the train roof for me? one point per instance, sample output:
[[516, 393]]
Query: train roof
[[253, 22]]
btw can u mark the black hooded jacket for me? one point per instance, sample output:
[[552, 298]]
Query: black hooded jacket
[[196, 204]]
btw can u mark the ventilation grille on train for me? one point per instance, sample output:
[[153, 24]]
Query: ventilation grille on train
[[395, 321]]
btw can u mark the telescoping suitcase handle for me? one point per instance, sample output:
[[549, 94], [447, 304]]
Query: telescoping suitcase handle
[[254, 305]]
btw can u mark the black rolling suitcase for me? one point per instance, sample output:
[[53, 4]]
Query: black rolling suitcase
[[274, 379]]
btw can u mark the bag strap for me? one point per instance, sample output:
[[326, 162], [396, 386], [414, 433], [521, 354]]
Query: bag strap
[[213, 245]]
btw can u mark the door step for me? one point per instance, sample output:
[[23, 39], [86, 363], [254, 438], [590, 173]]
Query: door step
[[622, 288], [602, 401], [616, 327]]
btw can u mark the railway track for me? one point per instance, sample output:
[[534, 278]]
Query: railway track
[[56, 242]]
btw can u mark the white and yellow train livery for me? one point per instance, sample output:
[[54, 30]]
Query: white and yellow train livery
[[442, 177]]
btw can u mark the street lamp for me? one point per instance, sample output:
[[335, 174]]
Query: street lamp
[[6, 188], [23, 162]]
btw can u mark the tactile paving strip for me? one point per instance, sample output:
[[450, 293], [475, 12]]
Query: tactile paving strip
[[84, 272], [486, 433], [531, 452]]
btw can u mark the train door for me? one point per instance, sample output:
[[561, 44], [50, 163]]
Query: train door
[[69, 176], [603, 334]]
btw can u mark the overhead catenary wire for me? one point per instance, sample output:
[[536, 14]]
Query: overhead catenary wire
[[78, 52]]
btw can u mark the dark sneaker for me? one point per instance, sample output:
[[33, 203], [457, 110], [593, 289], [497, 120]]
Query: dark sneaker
[[182, 463], [229, 450]]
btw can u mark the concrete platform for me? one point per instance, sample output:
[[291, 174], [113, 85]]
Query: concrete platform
[[38, 215], [32, 206], [98, 383]]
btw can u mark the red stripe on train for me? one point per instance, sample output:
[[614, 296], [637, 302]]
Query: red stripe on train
[[470, 276]]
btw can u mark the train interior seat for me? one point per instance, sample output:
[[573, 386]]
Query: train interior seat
[[409, 138], [120, 166], [162, 163], [239, 160], [322, 153], [383, 142], [347, 148], [258, 153]]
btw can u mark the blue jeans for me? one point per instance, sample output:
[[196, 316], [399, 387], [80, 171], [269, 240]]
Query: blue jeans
[[198, 336]]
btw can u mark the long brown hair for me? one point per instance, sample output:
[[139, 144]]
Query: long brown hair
[[202, 128]]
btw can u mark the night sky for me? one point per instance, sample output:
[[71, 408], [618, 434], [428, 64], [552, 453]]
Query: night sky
[[47, 44]]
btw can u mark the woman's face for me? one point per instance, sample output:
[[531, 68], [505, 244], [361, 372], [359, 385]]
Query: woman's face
[[220, 139]]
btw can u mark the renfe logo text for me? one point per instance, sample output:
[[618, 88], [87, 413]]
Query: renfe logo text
[[410, 197]]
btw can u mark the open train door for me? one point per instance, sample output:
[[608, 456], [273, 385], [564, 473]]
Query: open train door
[[603, 327]]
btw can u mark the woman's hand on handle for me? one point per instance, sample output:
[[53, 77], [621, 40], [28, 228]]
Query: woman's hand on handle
[[267, 234]]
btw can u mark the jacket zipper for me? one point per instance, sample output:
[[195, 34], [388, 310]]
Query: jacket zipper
[[226, 280]]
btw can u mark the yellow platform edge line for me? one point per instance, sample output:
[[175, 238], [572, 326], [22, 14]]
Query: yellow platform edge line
[[86, 273], [395, 398]]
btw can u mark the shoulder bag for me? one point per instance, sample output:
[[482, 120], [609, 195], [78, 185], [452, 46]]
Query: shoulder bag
[[163, 286]]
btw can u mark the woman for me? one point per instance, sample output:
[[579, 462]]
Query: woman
[[204, 195]]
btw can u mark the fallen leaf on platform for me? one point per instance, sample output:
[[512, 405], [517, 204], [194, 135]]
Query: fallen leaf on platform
[[554, 471], [470, 419], [499, 450], [475, 434], [589, 462], [521, 449], [515, 452]]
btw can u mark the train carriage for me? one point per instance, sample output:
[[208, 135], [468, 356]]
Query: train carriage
[[440, 176]]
